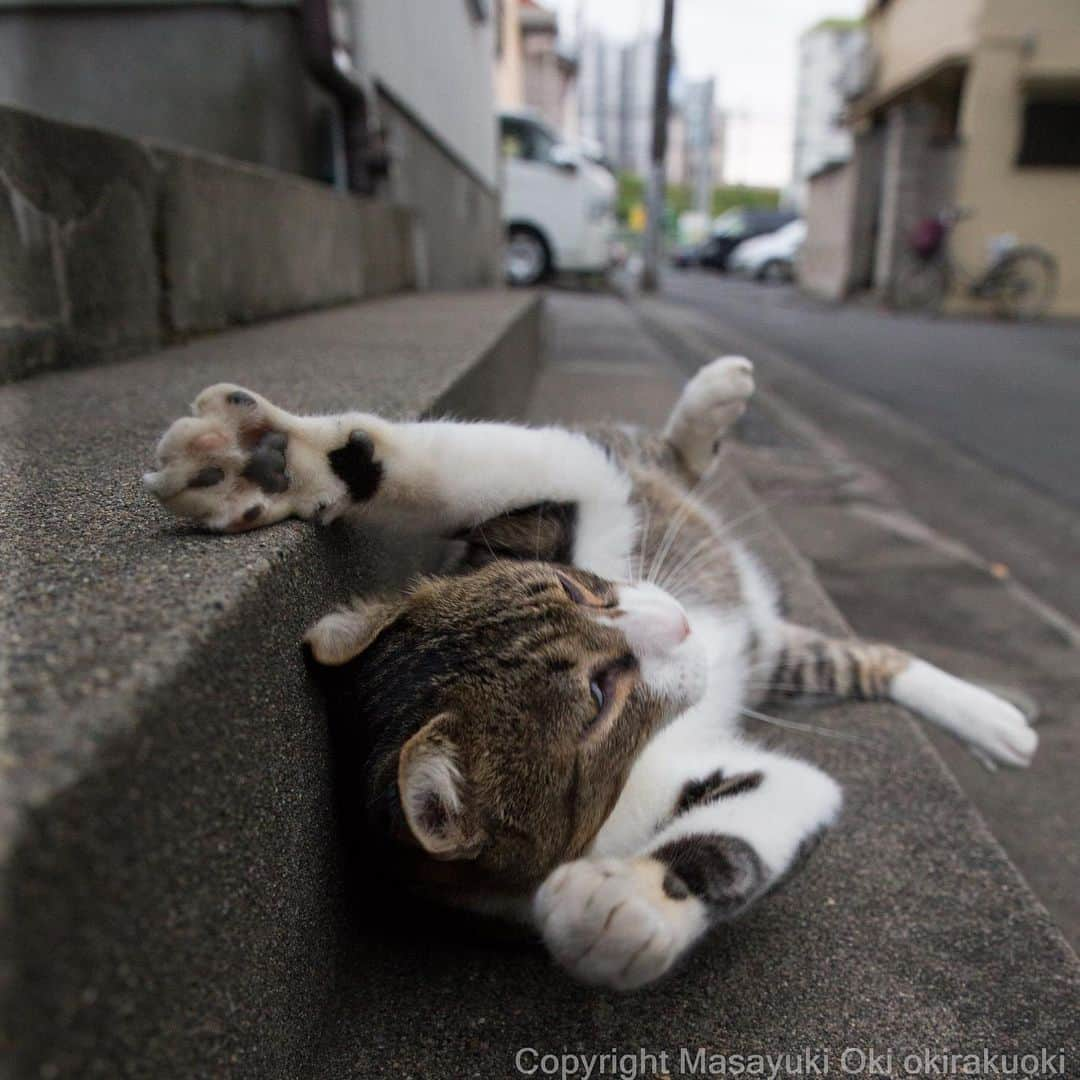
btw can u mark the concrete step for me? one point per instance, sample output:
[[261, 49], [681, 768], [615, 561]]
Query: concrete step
[[111, 246], [888, 513], [909, 932], [173, 896]]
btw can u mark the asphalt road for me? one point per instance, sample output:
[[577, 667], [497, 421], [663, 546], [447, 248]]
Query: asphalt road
[[1008, 394]]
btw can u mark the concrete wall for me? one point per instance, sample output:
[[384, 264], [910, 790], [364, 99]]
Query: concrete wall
[[825, 260], [458, 228], [227, 79], [436, 59], [232, 80], [868, 160], [1039, 205], [112, 246]]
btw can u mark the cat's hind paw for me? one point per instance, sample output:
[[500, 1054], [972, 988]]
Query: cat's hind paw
[[609, 922], [707, 409], [716, 396]]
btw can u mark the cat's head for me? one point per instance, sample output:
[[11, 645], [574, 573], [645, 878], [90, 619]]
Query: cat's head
[[504, 708]]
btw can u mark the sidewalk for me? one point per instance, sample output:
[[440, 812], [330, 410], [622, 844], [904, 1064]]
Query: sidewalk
[[908, 930], [898, 579]]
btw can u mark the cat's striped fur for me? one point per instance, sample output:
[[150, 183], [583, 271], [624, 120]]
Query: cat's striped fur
[[545, 735]]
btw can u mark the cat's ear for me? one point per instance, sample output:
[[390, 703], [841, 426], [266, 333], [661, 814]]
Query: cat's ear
[[336, 638], [434, 793]]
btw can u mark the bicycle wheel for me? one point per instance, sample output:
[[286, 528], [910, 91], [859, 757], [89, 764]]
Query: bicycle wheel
[[921, 286], [1024, 284]]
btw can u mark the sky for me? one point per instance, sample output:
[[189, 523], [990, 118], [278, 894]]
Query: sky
[[748, 46]]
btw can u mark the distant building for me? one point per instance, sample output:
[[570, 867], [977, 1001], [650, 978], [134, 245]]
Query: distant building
[[826, 51], [532, 70], [972, 104], [704, 141], [600, 92], [638, 80]]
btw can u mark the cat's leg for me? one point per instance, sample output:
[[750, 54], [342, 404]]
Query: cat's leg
[[707, 409], [814, 667], [241, 462], [732, 836]]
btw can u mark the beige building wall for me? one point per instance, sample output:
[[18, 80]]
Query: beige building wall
[[509, 60], [912, 36], [1033, 43], [825, 262]]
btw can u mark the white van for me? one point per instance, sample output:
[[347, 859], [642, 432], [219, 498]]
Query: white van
[[558, 203]]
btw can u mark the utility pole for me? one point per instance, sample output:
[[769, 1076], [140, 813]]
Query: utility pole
[[654, 223]]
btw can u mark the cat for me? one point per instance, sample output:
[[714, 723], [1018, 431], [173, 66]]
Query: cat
[[549, 735]]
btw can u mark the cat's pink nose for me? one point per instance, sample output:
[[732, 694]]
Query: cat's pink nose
[[653, 621]]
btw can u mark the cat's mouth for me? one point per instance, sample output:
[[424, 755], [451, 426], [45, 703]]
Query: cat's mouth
[[670, 655], [679, 678]]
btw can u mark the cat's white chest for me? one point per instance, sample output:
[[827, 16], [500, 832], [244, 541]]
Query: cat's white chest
[[693, 745]]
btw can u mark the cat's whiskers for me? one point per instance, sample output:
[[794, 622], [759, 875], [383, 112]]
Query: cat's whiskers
[[671, 584], [813, 729], [643, 544], [792, 688], [673, 573], [487, 543], [679, 519], [675, 523], [724, 531]]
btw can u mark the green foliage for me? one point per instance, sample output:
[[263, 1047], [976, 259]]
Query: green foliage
[[836, 24], [752, 198], [631, 193], [680, 197]]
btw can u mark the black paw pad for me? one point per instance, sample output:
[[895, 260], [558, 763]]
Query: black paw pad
[[266, 466], [355, 464], [723, 872], [238, 397], [207, 477], [252, 513]]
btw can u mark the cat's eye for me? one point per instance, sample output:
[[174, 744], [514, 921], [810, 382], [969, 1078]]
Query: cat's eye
[[582, 596], [573, 590], [604, 685], [598, 695]]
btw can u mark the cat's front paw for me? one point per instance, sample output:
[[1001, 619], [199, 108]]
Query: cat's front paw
[[240, 463], [609, 922]]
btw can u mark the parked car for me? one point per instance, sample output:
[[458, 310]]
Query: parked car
[[770, 257], [558, 203], [730, 230]]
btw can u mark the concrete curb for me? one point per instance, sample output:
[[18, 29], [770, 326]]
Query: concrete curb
[[112, 246], [173, 893]]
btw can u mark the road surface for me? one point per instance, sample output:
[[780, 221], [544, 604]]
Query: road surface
[[1008, 394]]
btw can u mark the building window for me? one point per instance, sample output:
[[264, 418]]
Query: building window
[[1051, 133]]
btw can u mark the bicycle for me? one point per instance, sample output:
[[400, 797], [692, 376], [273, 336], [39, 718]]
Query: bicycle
[[1019, 281]]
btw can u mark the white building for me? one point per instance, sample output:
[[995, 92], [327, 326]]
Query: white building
[[704, 135], [638, 80], [600, 91], [825, 51]]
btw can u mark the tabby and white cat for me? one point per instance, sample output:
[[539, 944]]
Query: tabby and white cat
[[546, 735]]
